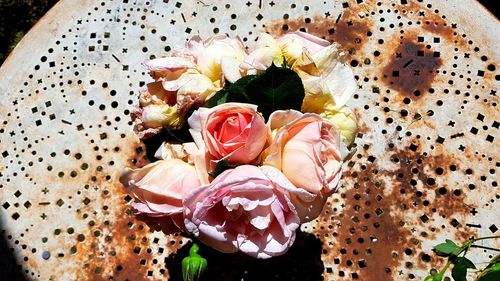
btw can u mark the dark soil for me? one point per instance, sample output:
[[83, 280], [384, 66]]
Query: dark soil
[[16, 18]]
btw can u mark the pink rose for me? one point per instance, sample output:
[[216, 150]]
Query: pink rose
[[242, 209], [306, 149], [160, 187], [232, 131]]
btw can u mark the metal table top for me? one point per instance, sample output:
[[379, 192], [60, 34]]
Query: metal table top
[[426, 166]]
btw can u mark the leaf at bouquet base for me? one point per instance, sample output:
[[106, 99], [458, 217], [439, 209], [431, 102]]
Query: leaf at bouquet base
[[276, 88], [236, 90], [219, 98]]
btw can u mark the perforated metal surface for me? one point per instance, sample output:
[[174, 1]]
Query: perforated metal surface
[[427, 152]]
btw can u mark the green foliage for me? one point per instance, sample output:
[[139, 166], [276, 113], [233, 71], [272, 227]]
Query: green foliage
[[235, 89], [273, 89], [447, 249], [193, 265], [456, 256], [492, 271], [459, 271]]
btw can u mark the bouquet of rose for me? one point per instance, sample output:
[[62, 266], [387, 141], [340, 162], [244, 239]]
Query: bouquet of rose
[[255, 141]]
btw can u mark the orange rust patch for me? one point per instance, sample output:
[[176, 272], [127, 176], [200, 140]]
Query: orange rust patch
[[412, 67], [119, 244], [349, 30], [375, 233]]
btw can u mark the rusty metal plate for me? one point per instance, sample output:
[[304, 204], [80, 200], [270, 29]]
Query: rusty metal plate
[[425, 167]]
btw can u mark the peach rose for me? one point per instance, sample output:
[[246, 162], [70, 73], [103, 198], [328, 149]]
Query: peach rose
[[242, 209], [235, 132], [159, 188], [306, 149], [307, 205]]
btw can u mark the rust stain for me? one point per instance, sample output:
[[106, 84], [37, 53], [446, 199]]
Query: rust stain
[[115, 248], [137, 157], [412, 67], [375, 231], [350, 31], [433, 22]]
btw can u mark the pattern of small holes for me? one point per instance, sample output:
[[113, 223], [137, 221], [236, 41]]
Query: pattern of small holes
[[424, 169]]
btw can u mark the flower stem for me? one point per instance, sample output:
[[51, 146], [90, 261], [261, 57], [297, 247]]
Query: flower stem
[[486, 237], [486, 248]]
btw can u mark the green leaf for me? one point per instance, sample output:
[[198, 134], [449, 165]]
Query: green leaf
[[436, 277], [219, 98], [468, 263], [447, 249], [273, 89], [238, 88], [491, 272], [459, 271]]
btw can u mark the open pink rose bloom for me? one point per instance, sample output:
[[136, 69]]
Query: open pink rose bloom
[[242, 180]]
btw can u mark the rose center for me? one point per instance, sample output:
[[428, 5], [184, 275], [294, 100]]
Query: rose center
[[232, 129]]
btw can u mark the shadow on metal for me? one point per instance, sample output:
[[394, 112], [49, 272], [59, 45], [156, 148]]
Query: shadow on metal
[[9, 269], [301, 262]]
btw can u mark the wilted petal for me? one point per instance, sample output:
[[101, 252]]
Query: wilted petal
[[168, 67]]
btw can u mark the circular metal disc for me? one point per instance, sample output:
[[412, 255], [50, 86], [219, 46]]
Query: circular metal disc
[[425, 169]]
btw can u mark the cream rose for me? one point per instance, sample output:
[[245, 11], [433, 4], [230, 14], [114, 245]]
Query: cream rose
[[164, 103], [266, 52], [294, 44], [326, 77], [344, 119], [156, 109], [217, 57]]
